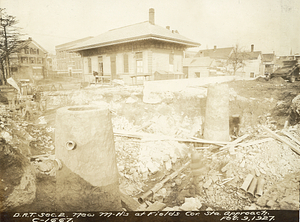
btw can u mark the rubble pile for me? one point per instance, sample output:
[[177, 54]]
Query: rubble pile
[[140, 161], [218, 182], [30, 139], [153, 141]]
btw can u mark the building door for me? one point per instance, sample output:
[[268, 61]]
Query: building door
[[139, 62], [113, 67]]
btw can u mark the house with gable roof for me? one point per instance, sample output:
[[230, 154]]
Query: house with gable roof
[[253, 64], [207, 62], [215, 53], [30, 62], [197, 67], [269, 63], [219, 66], [134, 52]]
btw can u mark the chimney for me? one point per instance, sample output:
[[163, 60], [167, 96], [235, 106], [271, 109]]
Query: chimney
[[168, 27], [151, 16], [215, 47], [252, 48]]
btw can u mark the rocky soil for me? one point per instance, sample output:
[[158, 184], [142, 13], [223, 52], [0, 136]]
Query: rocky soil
[[154, 140]]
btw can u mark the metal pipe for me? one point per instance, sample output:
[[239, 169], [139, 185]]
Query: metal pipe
[[159, 185], [247, 182], [252, 186], [260, 187]]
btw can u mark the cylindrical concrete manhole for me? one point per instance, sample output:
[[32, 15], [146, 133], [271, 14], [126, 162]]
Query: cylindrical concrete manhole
[[88, 179], [216, 125]]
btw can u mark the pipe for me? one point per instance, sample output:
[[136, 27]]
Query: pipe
[[260, 187], [158, 186], [247, 182], [252, 186], [70, 145]]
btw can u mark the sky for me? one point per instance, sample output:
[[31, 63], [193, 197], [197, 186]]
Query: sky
[[270, 25]]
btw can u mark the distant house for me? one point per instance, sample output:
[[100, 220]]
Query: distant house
[[134, 52], [207, 62], [197, 67], [216, 53], [269, 63], [219, 64], [30, 62], [189, 53], [253, 64], [69, 63]]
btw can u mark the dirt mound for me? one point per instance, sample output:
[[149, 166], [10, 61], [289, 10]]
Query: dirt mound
[[17, 178], [278, 80], [260, 79]]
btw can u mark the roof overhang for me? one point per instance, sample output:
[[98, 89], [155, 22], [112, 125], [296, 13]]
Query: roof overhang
[[187, 44]]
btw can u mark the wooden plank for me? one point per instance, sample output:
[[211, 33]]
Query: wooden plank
[[288, 134], [235, 142], [256, 142], [153, 137], [293, 147]]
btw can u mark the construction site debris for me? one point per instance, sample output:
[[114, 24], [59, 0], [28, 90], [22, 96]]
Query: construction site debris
[[252, 186], [260, 187], [247, 182], [292, 146], [160, 184], [153, 141], [191, 204]]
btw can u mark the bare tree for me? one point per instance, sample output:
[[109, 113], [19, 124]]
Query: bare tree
[[9, 42], [236, 60]]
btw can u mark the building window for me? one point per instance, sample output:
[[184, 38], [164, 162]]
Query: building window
[[89, 65], [197, 74], [37, 51], [32, 60], [139, 62], [24, 60], [126, 67], [39, 60], [252, 75], [26, 50]]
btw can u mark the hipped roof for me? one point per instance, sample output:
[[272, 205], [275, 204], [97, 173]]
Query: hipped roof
[[72, 44], [197, 61], [140, 31]]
